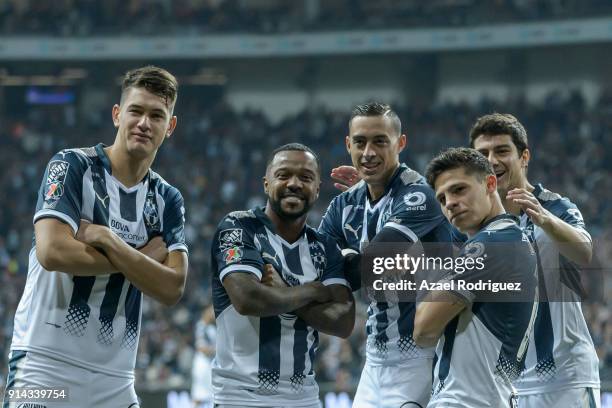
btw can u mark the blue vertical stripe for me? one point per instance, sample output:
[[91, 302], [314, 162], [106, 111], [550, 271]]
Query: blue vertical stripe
[[78, 313], [543, 333], [108, 309], [405, 323], [269, 353], [132, 315], [300, 345], [292, 257], [447, 350], [127, 205], [313, 350]]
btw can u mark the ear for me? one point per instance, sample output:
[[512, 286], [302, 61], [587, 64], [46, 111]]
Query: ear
[[347, 141], [115, 113], [402, 143], [491, 183], [265, 184], [171, 127], [525, 156]]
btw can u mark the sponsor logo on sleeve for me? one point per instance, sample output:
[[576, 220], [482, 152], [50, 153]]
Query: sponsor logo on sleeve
[[232, 255], [415, 201], [56, 177], [474, 249], [230, 238]]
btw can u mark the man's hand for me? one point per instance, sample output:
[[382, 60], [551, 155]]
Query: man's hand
[[271, 278], [156, 249], [346, 177], [531, 206], [92, 234]]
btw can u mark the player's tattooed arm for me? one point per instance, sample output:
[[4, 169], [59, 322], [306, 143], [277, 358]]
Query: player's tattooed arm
[[252, 297], [335, 317], [164, 282], [432, 316], [58, 249]]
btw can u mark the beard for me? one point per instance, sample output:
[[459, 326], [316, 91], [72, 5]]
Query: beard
[[291, 216]]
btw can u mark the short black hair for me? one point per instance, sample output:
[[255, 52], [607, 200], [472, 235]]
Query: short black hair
[[156, 80], [293, 147], [377, 109], [458, 157], [496, 124]]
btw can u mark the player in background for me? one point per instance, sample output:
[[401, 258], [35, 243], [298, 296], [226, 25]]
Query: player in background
[[562, 365], [267, 325], [482, 342], [391, 204], [205, 343], [107, 229]]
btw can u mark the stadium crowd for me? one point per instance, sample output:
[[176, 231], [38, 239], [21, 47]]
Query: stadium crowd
[[217, 157], [164, 17]]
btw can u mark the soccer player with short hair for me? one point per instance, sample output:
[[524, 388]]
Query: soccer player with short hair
[[267, 326], [562, 365], [482, 343], [391, 204], [107, 229]]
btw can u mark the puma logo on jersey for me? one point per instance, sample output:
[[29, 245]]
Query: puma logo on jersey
[[349, 227], [102, 200]]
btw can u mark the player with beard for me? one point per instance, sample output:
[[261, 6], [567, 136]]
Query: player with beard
[[267, 325]]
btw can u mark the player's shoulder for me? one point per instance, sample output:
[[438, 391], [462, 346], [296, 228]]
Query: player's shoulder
[[240, 219], [411, 192], [502, 228], [314, 236], [353, 196], [553, 202], [79, 156], [165, 189]]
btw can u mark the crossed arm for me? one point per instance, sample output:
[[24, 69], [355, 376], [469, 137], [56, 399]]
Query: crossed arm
[[329, 309], [96, 250], [432, 316]]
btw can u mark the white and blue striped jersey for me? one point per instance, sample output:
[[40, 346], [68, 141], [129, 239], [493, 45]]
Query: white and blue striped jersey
[[561, 354], [483, 348], [267, 361], [93, 321], [408, 206]]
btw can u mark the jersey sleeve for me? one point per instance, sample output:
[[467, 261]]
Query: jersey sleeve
[[331, 223], [174, 223], [333, 273], [415, 213], [61, 191], [234, 249], [569, 212]]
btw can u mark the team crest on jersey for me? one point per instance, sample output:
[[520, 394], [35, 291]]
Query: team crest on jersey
[[151, 216], [317, 254], [54, 186], [230, 238], [232, 255]]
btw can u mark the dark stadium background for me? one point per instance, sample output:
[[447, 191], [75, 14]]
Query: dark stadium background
[[255, 74]]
